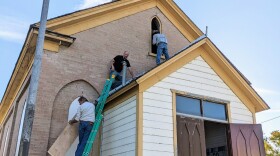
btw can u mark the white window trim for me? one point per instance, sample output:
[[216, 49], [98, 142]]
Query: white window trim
[[5, 143], [20, 128], [203, 118]]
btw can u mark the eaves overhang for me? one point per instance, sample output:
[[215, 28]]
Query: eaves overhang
[[24, 63]]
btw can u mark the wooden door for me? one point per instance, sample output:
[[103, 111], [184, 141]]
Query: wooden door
[[190, 137], [246, 140]]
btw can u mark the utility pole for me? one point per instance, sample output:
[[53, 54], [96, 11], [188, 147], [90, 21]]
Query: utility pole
[[33, 88]]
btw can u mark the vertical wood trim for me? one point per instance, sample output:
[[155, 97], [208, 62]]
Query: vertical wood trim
[[174, 122], [254, 117], [228, 113], [139, 126], [5, 148]]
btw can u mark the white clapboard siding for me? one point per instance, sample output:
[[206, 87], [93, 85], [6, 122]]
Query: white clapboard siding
[[119, 106], [120, 136], [156, 96], [159, 104], [157, 118], [129, 153], [119, 123], [156, 110], [119, 129], [196, 73], [159, 147], [196, 77], [121, 142], [159, 125], [155, 153], [157, 132], [119, 150], [157, 139]]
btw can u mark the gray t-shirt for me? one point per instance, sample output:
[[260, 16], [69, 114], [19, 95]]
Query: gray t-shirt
[[159, 38]]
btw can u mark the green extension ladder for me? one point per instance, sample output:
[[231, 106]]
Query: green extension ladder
[[98, 114]]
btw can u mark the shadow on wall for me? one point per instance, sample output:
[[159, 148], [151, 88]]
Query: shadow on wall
[[63, 100]]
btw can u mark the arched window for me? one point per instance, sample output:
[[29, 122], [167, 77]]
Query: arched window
[[155, 26], [73, 109]]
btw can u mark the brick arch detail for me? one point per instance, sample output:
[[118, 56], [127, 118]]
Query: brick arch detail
[[63, 99]]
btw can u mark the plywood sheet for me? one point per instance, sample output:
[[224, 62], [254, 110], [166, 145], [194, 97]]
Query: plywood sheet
[[64, 141]]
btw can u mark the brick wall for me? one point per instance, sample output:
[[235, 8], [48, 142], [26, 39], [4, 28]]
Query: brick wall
[[88, 60]]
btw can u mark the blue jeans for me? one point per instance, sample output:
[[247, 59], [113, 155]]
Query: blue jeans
[[162, 49], [84, 132], [118, 79]]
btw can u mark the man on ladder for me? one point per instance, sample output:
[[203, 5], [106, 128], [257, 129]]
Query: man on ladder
[[86, 116], [117, 68], [89, 117]]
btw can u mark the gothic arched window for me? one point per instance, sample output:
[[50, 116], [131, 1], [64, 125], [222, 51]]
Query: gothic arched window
[[156, 25]]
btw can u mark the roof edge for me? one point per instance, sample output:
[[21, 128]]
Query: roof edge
[[20, 55]]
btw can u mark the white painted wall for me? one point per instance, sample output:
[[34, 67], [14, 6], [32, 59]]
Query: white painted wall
[[119, 130], [196, 77]]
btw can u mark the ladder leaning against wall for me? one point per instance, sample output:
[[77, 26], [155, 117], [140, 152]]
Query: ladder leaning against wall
[[98, 114]]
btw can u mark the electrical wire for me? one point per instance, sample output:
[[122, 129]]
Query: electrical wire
[[270, 119]]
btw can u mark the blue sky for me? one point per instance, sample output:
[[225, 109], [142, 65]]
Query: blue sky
[[247, 32]]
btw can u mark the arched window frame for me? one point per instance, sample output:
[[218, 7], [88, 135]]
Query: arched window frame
[[151, 52]]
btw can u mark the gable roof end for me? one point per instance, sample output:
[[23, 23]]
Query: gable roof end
[[220, 64], [92, 17]]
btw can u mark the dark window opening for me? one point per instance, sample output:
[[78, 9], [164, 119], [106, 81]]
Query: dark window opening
[[155, 26], [216, 139]]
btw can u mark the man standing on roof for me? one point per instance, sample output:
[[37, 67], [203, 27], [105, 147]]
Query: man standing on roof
[[117, 67], [161, 42], [86, 115]]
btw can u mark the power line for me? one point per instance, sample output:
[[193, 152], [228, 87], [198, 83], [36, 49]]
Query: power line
[[271, 119]]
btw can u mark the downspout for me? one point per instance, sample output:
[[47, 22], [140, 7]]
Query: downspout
[[124, 73]]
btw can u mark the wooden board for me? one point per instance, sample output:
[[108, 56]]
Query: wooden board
[[64, 141]]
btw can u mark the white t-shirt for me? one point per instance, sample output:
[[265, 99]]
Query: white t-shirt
[[85, 112]]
